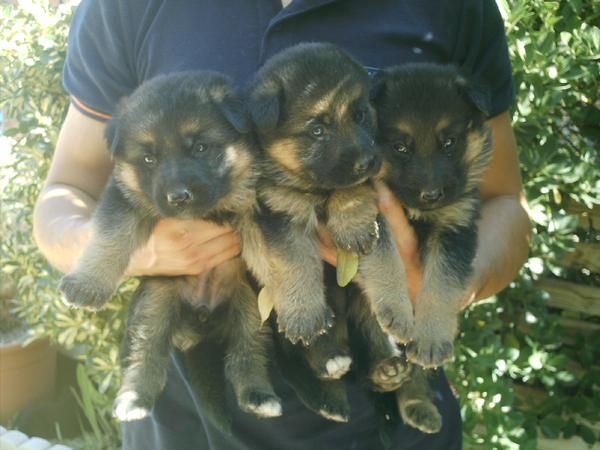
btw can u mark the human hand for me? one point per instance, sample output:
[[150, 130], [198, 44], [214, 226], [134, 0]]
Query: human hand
[[408, 245], [184, 247], [404, 235]]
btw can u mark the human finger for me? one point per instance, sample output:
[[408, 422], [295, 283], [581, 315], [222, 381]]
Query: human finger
[[327, 249], [404, 236]]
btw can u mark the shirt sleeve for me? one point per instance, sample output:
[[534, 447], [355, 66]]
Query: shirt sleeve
[[481, 52], [100, 62]]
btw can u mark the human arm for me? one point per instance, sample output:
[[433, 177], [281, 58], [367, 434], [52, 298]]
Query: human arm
[[78, 174]]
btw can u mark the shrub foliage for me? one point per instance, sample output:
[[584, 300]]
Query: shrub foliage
[[509, 344]]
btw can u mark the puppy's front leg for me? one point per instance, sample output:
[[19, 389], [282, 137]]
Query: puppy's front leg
[[382, 276], [285, 258], [352, 218], [447, 270], [117, 233]]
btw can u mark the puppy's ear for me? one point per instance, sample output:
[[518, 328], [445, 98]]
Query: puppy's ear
[[378, 86], [476, 93], [235, 113], [265, 100], [112, 130]]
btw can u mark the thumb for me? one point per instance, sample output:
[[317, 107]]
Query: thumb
[[394, 214]]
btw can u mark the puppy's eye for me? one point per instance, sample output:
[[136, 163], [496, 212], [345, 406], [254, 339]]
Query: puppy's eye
[[317, 131], [149, 159], [400, 147], [360, 115], [199, 148], [448, 143]]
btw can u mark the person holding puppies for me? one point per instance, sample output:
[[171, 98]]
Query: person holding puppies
[[115, 46]]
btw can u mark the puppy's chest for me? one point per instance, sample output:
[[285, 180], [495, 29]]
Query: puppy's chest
[[460, 214], [301, 208]]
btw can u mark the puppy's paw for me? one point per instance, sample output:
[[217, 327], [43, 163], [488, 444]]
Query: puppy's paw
[[336, 367], [129, 406], [422, 415], [260, 403], [307, 325], [430, 352], [388, 375], [338, 411], [396, 321], [85, 292], [362, 240]]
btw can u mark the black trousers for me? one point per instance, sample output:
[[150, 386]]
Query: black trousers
[[177, 423]]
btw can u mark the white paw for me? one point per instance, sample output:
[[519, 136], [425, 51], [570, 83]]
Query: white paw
[[332, 416], [126, 409], [270, 408], [338, 366]]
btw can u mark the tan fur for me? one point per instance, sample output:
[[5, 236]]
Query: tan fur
[[351, 213], [242, 199], [126, 174], [190, 126], [442, 124], [405, 127], [285, 152], [477, 156], [300, 205], [330, 101], [457, 214]]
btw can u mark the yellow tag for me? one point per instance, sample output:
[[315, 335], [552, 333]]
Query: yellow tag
[[347, 266], [265, 305]]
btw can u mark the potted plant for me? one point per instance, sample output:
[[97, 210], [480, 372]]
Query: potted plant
[[27, 367]]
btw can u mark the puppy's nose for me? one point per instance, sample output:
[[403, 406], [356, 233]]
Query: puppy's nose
[[179, 197], [432, 195], [365, 164]]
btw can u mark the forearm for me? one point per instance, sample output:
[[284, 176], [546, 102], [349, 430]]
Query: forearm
[[504, 231], [62, 224]]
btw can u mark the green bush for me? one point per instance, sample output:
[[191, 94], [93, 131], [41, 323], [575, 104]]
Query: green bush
[[33, 101], [514, 338], [507, 341]]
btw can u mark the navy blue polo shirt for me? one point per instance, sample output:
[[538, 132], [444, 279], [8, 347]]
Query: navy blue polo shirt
[[115, 45]]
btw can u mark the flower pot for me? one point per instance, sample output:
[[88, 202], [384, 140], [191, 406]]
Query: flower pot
[[27, 375]]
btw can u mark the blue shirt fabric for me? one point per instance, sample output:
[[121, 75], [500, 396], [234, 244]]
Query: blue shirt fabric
[[115, 45]]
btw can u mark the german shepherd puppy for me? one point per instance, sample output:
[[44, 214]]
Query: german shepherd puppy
[[313, 119], [436, 147], [182, 148]]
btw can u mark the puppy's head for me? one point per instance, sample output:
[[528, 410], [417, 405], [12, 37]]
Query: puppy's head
[[180, 143], [310, 105], [431, 132]]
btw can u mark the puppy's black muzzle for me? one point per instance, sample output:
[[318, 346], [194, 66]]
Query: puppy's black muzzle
[[367, 166], [179, 197], [431, 196]]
